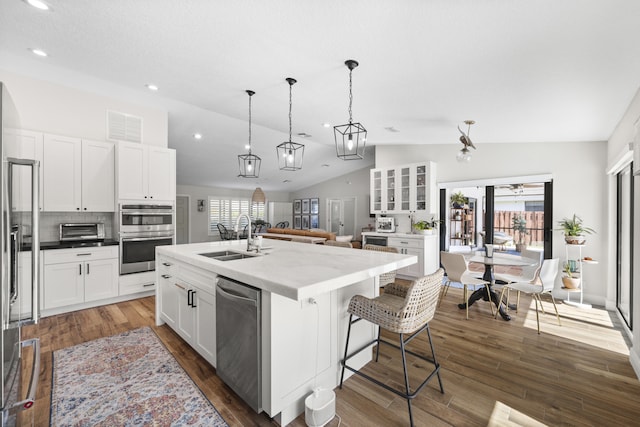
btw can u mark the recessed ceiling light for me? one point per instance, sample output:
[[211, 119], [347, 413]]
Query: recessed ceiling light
[[39, 52], [197, 136], [38, 4], [152, 87], [326, 125], [304, 135]]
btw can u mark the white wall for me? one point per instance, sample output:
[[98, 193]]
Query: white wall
[[355, 184], [579, 181], [54, 108], [617, 148], [200, 221]]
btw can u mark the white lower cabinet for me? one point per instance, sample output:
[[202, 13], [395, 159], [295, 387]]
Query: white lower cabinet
[[75, 276], [425, 247], [187, 304]]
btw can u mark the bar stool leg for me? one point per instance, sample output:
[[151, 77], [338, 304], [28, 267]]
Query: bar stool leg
[[346, 348], [435, 361], [406, 378]]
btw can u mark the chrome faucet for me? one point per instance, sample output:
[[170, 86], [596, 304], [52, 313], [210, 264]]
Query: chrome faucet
[[250, 244]]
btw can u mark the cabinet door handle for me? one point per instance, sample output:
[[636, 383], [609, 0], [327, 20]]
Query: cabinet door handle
[[193, 304], [147, 285], [167, 264], [166, 276], [189, 297], [88, 268], [80, 270]]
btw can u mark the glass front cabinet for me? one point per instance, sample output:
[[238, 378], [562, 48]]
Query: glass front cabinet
[[403, 189]]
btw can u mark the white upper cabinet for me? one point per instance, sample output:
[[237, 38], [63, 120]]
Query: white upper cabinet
[[78, 175], [145, 172], [62, 173], [404, 188], [98, 176], [23, 144]]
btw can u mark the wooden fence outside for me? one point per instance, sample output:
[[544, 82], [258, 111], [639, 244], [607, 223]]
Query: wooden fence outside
[[503, 221]]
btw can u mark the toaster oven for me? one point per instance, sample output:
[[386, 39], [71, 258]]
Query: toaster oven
[[385, 225]]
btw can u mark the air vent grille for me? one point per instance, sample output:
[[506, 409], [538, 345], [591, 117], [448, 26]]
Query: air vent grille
[[124, 127]]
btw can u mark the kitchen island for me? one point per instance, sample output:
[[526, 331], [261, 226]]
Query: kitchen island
[[305, 292]]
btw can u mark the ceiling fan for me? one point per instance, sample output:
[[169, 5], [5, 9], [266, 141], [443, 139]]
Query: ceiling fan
[[465, 155]]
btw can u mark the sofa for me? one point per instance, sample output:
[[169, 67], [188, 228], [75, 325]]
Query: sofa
[[288, 232]]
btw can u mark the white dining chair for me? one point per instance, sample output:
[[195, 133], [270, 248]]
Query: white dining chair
[[542, 283], [455, 266], [527, 272]]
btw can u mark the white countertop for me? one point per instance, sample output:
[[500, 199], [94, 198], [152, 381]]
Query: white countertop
[[294, 270]]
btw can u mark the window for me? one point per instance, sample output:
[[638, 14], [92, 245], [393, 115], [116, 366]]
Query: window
[[257, 210], [225, 210], [624, 244]]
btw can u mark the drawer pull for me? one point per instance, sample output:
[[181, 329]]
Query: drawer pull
[[180, 286], [166, 276], [84, 254], [148, 284], [167, 264]]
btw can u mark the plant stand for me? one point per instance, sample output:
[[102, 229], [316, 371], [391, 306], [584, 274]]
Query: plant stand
[[579, 271]]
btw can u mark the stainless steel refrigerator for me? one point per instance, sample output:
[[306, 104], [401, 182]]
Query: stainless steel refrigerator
[[19, 302]]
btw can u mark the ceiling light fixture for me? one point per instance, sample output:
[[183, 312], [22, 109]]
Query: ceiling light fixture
[[39, 52], [249, 163], [290, 153], [465, 155], [258, 196], [197, 136], [38, 4], [152, 87], [352, 137]]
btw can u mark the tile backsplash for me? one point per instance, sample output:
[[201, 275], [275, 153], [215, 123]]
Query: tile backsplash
[[50, 221]]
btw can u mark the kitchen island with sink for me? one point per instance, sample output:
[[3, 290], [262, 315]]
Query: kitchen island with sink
[[302, 314]]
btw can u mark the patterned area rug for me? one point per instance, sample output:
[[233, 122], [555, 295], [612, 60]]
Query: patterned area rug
[[126, 380]]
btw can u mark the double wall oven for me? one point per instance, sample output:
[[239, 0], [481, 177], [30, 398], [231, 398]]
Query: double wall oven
[[142, 227]]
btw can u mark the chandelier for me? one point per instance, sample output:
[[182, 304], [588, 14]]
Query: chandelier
[[465, 155], [351, 137]]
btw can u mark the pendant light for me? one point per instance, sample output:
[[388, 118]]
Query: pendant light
[[258, 196], [465, 155], [290, 153], [249, 163], [350, 138]]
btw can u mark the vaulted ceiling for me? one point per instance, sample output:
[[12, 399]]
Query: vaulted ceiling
[[525, 71]]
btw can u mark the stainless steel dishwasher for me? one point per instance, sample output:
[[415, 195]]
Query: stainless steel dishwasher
[[238, 339]]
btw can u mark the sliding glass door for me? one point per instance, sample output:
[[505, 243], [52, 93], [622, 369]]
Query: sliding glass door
[[624, 244]]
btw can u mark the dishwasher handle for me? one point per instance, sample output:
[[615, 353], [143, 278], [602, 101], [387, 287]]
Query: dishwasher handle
[[226, 294]]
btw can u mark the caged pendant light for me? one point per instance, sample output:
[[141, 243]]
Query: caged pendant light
[[249, 163], [352, 137], [290, 153]]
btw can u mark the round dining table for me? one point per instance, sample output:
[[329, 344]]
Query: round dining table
[[506, 260]]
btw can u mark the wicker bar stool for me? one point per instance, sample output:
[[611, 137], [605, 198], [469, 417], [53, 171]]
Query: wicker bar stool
[[385, 278], [403, 311]]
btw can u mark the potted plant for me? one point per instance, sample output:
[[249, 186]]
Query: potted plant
[[568, 280], [574, 230], [426, 227], [458, 200], [520, 225]]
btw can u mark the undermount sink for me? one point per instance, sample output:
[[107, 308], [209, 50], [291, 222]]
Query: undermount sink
[[227, 255]]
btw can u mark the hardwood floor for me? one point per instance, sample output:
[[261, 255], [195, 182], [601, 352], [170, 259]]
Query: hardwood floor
[[575, 374]]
